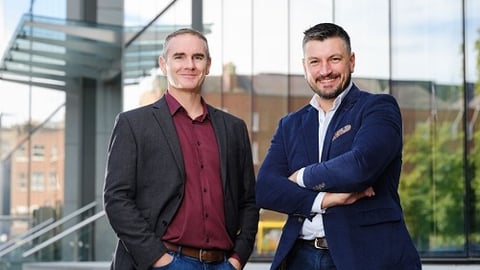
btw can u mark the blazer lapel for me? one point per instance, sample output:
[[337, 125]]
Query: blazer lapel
[[165, 123], [221, 134], [336, 122], [309, 127]]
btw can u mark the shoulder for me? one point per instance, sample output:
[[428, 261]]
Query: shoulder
[[217, 113], [381, 100], [376, 106], [370, 99], [142, 110], [306, 111], [232, 125]]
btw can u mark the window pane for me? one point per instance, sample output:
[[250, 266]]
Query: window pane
[[430, 95], [472, 58]]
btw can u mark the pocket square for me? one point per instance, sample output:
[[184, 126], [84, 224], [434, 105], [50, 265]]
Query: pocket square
[[341, 131]]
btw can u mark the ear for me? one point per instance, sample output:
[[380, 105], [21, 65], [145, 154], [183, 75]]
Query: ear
[[163, 64], [352, 62], [209, 63], [304, 68]]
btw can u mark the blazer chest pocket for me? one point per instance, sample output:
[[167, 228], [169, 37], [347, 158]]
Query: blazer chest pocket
[[342, 143]]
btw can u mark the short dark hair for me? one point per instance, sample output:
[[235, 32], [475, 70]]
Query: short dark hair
[[182, 31], [323, 31]]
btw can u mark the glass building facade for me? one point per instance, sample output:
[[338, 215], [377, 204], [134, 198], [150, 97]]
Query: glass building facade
[[425, 53]]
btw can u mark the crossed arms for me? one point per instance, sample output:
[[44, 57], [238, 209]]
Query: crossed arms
[[333, 199]]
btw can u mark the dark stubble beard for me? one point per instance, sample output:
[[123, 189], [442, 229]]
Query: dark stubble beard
[[333, 95]]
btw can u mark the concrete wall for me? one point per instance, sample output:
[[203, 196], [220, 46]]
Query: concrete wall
[[91, 107]]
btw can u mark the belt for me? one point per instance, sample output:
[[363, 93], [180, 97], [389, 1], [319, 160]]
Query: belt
[[318, 243], [203, 255]]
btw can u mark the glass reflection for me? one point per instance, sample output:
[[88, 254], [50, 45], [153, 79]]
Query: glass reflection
[[431, 98]]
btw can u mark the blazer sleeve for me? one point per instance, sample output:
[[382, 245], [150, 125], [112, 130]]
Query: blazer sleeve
[[248, 211], [365, 153], [119, 198], [274, 191]]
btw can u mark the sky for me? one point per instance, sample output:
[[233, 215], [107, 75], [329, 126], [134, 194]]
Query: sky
[[418, 46], [14, 98]]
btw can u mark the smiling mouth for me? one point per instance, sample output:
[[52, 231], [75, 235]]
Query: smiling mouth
[[189, 76], [326, 80]]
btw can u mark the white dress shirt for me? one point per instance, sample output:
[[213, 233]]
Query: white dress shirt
[[314, 228]]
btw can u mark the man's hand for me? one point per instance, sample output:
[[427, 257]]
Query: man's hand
[[164, 260], [333, 199], [293, 177], [235, 263]]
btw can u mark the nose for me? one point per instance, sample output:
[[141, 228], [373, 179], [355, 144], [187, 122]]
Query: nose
[[325, 69], [190, 63]]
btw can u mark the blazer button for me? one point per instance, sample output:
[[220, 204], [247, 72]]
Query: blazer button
[[319, 187]]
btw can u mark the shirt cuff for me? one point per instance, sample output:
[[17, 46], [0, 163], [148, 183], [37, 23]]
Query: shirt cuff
[[300, 177], [317, 203]]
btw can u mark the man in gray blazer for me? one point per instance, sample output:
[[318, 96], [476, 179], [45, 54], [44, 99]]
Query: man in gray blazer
[[179, 187]]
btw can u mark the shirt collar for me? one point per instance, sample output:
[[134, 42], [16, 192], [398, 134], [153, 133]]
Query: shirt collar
[[338, 100], [174, 106]]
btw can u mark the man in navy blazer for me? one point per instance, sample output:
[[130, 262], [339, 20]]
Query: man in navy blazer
[[179, 187], [334, 166]]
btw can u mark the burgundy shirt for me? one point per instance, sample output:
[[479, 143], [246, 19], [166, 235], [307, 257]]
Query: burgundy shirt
[[200, 220]]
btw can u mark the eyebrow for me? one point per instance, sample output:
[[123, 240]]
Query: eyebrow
[[178, 54], [194, 55], [330, 56]]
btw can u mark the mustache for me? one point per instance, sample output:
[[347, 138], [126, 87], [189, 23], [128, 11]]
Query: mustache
[[327, 77]]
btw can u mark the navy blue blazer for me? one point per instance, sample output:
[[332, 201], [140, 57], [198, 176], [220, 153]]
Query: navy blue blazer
[[362, 148]]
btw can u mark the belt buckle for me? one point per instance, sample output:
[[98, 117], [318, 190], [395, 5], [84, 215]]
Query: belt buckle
[[200, 254], [317, 243]]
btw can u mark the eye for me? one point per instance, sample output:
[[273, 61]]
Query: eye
[[198, 57], [336, 59]]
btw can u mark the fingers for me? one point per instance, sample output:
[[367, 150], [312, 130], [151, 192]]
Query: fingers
[[369, 192], [293, 177]]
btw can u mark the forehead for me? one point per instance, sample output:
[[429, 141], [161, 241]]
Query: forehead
[[186, 43], [326, 47]]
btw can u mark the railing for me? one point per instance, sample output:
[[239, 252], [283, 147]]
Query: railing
[[7, 247], [19, 250], [37, 233], [64, 233]]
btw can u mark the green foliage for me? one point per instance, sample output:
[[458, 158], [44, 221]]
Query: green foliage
[[432, 186], [477, 48], [474, 160]]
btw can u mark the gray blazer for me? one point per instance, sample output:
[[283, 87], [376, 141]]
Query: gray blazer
[[144, 182]]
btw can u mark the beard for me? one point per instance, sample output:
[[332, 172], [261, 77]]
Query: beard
[[334, 94]]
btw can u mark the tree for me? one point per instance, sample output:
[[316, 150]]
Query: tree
[[432, 187]]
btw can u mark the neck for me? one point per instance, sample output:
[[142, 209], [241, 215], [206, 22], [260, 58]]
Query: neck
[[190, 101], [325, 104]]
